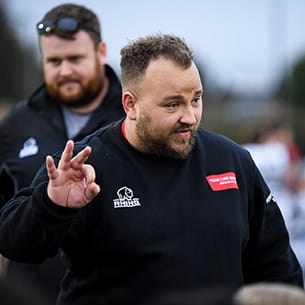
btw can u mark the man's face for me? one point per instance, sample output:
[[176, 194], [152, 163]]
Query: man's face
[[168, 109], [73, 69]]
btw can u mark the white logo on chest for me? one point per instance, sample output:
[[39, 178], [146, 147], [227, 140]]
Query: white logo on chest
[[29, 148], [125, 199]]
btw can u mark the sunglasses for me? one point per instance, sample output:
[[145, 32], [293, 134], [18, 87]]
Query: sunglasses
[[68, 25]]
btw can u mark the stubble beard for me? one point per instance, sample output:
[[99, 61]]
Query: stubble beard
[[159, 145]]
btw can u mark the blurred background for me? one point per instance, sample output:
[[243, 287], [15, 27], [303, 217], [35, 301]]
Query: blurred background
[[251, 54]]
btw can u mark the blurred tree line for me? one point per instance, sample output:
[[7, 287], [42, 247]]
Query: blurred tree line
[[225, 111], [238, 116], [291, 94], [20, 69]]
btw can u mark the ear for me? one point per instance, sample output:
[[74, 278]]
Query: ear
[[129, 104], [102, 52]]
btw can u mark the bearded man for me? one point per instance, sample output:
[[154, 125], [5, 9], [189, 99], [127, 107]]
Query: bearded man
[[152, 203], [80, 94]]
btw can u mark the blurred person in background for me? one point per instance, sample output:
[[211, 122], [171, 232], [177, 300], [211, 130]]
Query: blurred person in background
[[269, 294], [80, 94], [275, 152]]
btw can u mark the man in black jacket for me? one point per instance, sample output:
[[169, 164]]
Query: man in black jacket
[[81, 93], [160, 205]]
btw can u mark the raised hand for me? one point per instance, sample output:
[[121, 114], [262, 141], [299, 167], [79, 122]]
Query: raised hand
[[72, 183]]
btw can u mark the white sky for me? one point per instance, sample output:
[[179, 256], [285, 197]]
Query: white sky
[[242, 44]]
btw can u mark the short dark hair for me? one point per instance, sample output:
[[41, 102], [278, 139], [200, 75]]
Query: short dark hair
[[136, 56], [88, 20]]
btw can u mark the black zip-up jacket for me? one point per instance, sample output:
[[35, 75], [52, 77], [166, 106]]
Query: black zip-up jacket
[[33, 129], [158, 224]]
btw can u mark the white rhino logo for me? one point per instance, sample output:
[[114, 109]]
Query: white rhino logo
[[125, 193]]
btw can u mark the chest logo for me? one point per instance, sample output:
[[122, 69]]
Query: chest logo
[[29, 148], [270, 198], [223, 181], [125, 199]]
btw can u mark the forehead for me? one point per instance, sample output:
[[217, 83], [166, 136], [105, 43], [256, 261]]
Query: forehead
[[53, 45], [164, 74]]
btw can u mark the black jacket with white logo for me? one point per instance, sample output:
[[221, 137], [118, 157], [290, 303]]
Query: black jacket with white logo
[[35, 128], [157, 224]]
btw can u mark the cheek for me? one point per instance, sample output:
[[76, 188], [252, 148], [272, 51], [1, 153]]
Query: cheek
[[49, 73], [88, 71], [198, 114], [163, 124]]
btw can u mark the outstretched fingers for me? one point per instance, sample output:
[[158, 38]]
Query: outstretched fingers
[[51, 168], [79, 160], [67, 160], [66, 156], [72, 183]]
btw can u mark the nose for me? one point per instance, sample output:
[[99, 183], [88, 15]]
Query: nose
[[65, 68], [189, 116]]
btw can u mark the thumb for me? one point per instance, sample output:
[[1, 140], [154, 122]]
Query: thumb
[[92, 191]]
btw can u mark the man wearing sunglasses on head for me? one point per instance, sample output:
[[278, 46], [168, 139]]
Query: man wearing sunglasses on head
[[80, 94]]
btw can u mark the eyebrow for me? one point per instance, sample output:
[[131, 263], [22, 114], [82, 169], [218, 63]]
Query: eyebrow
[[179, 96], [173, 98], [199, 92]]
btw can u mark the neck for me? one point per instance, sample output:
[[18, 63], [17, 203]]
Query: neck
[[130, 134], [97, 100]]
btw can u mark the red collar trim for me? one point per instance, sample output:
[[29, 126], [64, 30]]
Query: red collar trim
[[123, 129]]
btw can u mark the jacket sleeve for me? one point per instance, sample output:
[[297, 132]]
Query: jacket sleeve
[[32, 227], [268, 255], [8, 184]]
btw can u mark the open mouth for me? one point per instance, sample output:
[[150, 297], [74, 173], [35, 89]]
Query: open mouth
[[184, 133], [68, 83]]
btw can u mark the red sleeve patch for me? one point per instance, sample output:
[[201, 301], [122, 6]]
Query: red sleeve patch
[[223, 181]]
